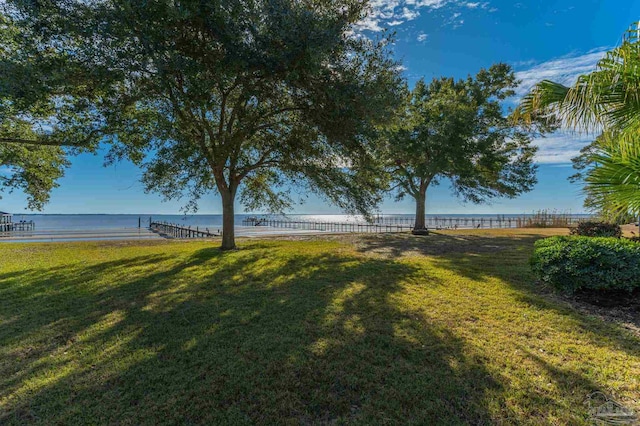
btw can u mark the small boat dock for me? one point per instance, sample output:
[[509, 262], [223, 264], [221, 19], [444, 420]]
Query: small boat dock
[[8, 225]]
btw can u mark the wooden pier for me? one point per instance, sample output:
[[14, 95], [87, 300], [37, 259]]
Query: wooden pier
[[400, 224], [172, 230], [18, 226], [327, 226], [8, 225]]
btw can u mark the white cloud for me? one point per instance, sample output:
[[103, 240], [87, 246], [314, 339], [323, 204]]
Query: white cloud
[[563, 70], [560, 147], [475, 5], [422, 37], [385, 13]]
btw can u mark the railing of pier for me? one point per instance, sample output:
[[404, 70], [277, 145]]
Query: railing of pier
[[499, 221], [327, 226], [399, 224], [176, 231], [17, 226]]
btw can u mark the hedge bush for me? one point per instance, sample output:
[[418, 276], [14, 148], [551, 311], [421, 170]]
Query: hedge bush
[[597, 229], [573, 263]]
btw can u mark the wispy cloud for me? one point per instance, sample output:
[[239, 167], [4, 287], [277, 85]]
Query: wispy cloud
[[422, 37], [480, 5], [560, 147], [454, 20], [388, 13], [564, 70]]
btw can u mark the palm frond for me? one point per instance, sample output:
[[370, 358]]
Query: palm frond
[[541, 100], [614, 181], [607, 98]]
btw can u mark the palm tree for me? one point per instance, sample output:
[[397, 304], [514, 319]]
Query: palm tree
[[607, 101]]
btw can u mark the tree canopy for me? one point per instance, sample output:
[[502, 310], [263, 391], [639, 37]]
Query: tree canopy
[[242, 98], [32, 169], [455, 130], [33, 145]]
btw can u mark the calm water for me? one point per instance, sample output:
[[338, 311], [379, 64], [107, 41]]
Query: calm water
[[213, 222]]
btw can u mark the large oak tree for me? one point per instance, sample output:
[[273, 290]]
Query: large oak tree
[[456, 131], [244, 98]]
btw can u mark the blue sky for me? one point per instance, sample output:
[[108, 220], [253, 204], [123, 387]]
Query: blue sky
[[557, 40]]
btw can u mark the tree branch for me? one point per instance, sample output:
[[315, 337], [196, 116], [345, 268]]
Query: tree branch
[[262, 161], [42, 142], [408, 183]]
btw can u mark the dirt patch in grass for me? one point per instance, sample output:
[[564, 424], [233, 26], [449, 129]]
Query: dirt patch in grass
[[629, 230], [620, 307]]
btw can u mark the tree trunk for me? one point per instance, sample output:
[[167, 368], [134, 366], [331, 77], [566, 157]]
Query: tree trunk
[[228, 220], [419, 228], [421, 200]]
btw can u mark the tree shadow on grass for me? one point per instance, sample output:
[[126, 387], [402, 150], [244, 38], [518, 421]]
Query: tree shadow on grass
[[262, 335], [438, 244], [479, 258], [509, 268]]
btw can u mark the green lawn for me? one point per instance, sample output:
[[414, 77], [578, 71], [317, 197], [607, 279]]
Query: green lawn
[[443, 329]]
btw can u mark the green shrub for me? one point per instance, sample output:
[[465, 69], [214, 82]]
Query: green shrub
[[573, 263], [597, 229]]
